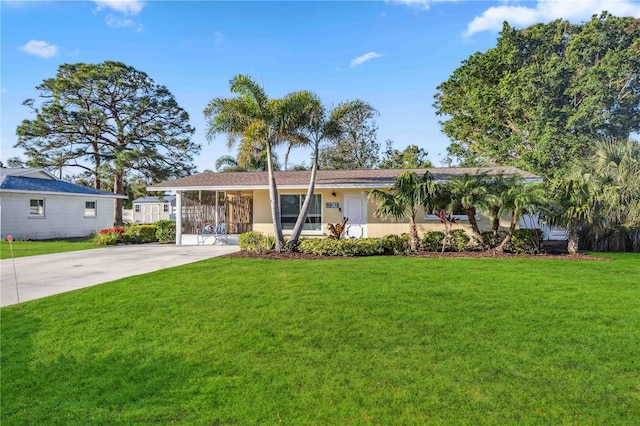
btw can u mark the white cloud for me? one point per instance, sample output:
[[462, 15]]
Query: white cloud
[[115, 22], [364, 58], [40, 48], [128, 7], [548, 10], [419, 4]]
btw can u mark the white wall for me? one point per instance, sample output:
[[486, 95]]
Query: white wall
[[63, 216]]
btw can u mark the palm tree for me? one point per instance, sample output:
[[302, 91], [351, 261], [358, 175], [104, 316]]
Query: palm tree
[[519, 199], [407, 195], [572, 204], [253, 118], [315, 125], [496, 185], [472, 194], [615, 181]]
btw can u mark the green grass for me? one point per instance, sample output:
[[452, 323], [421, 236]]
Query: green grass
[[34, 248], [382, 340]]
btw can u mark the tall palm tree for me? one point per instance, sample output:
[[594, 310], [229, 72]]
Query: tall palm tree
[[407, 195], [253, 118], [519, 199], [317, 124]]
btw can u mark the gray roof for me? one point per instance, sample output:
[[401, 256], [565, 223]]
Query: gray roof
[[20, 183], [325, 178], [156, 199], [23, 171]]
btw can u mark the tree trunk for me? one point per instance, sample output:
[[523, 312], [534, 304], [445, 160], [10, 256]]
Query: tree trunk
[[413, 233], [471, 214], [96, 158], [275, 202], [512, 229], [302, 216], [572, 244], [118, 189], [495, 222]]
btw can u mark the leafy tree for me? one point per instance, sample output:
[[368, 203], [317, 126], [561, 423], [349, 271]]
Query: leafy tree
[[15, 163], [412, 157], [357, 148], [543, 95], [407, 195], [253, 119], [112, 117]]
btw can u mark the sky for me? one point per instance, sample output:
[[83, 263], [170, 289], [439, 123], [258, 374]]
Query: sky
[[391, 54]]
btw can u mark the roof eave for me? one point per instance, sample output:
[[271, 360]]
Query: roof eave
[[74, 194]]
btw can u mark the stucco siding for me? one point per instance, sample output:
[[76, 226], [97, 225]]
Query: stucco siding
[[64, 216], [376, 227]]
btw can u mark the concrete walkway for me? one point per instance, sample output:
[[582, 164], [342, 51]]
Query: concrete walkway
[[45, 275]]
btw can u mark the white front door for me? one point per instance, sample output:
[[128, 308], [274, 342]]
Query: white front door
[[354, 207]]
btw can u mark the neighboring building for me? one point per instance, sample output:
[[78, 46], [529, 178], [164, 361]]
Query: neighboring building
[[153, 209], [34, 205], [241, 201]]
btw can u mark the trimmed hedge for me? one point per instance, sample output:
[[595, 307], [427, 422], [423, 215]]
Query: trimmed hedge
[[432, 241], [347, 247], [138, 234], [166, 232], [396, 244], [256, 241]]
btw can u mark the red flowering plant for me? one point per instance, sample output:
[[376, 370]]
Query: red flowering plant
[[448, 220], [108, 236], [116, 230]]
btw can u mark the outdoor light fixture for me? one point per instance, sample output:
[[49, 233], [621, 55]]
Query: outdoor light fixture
[[333, 194]]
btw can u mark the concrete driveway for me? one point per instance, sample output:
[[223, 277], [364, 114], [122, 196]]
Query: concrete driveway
[[41, 276]]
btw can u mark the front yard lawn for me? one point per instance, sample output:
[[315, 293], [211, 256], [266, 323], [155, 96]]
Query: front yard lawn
[[34, 248], [380, 340]]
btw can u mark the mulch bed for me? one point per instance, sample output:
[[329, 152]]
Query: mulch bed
[[475, 254]]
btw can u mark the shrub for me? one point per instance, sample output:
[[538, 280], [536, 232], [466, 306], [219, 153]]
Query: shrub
[[141, 234], [166, 232], [108, 236], [396, 244], [256, 241], [348, 247], [525, 241], [457, 240], [432, 241], [491, 241]]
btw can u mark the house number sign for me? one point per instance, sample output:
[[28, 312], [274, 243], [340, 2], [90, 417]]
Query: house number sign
[[333, 205]]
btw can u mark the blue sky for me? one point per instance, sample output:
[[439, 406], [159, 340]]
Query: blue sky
[[392, 54]]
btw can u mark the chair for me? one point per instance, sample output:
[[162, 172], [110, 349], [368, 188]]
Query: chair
[[218, 234]]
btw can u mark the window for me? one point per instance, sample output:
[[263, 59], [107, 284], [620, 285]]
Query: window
[[89, 209], [165, 208], [290, 206], [458, 213], [36, 207], [137, 208]]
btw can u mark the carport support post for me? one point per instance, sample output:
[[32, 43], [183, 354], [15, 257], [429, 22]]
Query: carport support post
[[179, 218], [217, 209]]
